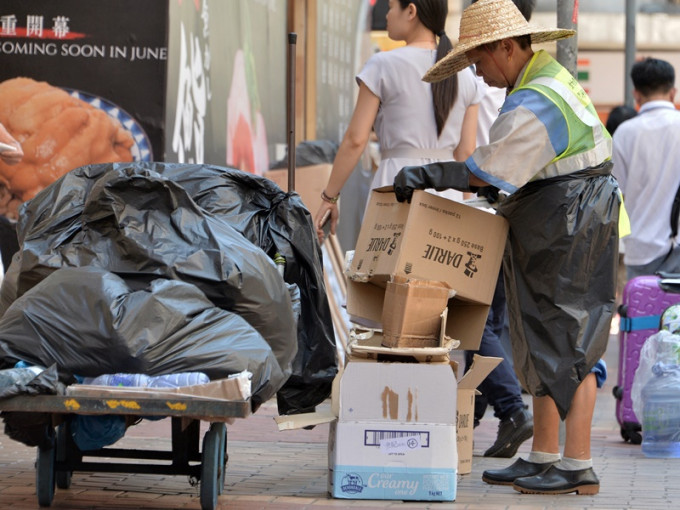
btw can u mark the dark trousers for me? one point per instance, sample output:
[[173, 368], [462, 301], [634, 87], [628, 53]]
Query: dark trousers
[[500, 389]]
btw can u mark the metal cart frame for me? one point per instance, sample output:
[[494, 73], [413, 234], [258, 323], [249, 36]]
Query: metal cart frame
[[56, 461]]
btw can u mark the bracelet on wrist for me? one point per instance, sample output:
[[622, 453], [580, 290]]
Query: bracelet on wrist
[[330, 200]]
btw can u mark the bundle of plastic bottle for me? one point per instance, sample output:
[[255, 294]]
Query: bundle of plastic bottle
[[144, 381]]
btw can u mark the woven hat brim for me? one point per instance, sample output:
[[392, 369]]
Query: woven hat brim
[[456, 60]]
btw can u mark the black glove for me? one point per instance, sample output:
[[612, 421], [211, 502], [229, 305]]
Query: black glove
[[440, 176], [490, 193]]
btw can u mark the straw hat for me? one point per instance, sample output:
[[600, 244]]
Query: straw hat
[[487, 21]]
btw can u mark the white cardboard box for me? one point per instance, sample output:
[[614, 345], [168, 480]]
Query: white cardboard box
[[381, 406], [395, 437], [392, 460]]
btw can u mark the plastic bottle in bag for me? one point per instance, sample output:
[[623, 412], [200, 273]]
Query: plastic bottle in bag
[[124, 380], [661, 412], [178, 380]]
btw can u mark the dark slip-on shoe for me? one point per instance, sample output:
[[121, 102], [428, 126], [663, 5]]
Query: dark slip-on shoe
[[512, 432], [559, 481], [520, 468]]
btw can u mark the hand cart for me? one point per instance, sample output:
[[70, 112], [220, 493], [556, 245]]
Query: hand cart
[[57, 460]]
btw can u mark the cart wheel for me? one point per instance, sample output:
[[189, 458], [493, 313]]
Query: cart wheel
[[44, 473], [63, 477], [222, 462], [212, 467]]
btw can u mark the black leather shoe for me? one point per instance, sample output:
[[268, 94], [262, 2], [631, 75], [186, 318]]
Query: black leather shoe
[[559, 481], [512, 432], [520, 468]]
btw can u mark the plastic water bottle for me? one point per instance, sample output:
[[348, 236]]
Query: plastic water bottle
[[123, 380], [178, 380], [661, 413]]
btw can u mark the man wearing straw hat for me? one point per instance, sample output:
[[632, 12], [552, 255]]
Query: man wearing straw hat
[[549, 151]]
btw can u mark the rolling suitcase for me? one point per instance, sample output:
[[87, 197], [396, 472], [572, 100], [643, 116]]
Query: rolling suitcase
[[644, 300]]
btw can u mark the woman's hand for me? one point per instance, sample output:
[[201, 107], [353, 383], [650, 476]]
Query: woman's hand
[[327, 213]]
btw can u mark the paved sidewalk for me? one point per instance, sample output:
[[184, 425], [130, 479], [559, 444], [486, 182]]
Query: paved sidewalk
[[269, 469]]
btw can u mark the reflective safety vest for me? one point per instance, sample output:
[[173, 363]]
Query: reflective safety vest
[[589, 142]]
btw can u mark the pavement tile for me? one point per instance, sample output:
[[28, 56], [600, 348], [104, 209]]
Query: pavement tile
[[269, 469]]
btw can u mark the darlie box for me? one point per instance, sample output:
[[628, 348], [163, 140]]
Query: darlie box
[[431, 238]]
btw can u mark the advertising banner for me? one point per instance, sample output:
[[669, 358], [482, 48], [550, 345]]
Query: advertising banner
[[226, 102], [81, 82]]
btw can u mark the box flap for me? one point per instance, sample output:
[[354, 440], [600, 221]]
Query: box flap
[[481, 367]]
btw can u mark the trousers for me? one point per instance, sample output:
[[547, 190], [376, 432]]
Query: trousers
[[501, 388]]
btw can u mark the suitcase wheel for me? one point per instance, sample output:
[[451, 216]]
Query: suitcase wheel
[[631, 432]]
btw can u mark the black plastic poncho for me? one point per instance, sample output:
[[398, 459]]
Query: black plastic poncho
[[560, 274]]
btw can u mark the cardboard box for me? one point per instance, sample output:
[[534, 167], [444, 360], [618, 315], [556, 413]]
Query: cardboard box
[[397, 423], [431, 238], [465, 409], [310, 181], [404, 461], [395, 434], [465, 319], [411, 315]]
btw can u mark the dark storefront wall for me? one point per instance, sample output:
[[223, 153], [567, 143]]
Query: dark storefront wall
[[113, 52]]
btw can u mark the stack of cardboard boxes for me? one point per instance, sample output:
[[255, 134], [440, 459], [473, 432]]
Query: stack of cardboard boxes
[[404, 418]]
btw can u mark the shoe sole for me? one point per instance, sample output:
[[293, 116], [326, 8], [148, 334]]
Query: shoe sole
[[509, 449], [491, 481], [581, 490]]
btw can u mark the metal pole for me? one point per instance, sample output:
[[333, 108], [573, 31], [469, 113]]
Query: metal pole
[[567, 49], [292, 39], [631, 10]]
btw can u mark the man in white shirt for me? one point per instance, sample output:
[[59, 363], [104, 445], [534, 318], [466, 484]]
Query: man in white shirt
[[646, 157]]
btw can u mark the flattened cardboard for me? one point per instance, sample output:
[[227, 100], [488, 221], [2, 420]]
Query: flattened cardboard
[[236, 388], [431, 238], [367, 345]]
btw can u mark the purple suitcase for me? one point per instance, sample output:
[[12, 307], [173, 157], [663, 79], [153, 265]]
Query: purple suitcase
[[644, 300]]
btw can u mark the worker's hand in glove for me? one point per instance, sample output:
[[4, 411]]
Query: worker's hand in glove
[[440, 176]]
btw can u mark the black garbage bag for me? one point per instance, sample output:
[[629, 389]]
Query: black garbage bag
[[561, 282], [128, 219], [45, 383], [276, 222], [89, 322]]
